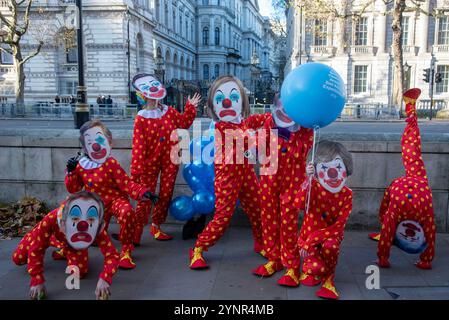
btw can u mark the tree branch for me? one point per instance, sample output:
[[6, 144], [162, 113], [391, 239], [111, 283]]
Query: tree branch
[[32, 55], [6, 50]]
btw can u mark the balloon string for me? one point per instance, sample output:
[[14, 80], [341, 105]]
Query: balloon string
[[314, 148]]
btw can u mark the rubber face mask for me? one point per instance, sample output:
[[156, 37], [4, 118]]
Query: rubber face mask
[[280, 117], [332, 175], [227, 102], [150, 88], [97, 145], [82, 223]]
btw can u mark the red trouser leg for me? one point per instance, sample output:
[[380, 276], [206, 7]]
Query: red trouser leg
[[143, 208], [250, 199], [124, 212], [330, 250], [167, 185], [227, 185], [429, 232], [20, 255], [387, 234], [56, 243], [289, 235], [79, 259], [385, 204], [270, 217]]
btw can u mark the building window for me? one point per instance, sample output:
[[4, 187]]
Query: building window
[[361, 32], [405, 30], [166, 15], [206, 72], [174, 21], [206, 36], [187, 28], [205, 2], [217, 36], [6, 58], [72, 55], [360, 79], [68, 87], [443, 31], [320, 33], [156, 8], [442, 87], [216, 71], [180, 24]]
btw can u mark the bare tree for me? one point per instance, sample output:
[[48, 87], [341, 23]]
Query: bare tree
[[17, 23], [343, 10]]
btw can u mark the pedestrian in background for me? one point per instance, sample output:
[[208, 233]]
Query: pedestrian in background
[[109, 105]]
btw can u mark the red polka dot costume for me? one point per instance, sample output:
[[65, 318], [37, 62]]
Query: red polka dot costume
[[31, 250], [321, 234], [151, 152], [110, 181], [408, 197], [232, 181], [280, 221]]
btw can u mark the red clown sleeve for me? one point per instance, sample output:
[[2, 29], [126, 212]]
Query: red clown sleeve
[[185, 120], [124, 182], [411, 138], [337, 228], [139, 149], [73, 181], [111, 257], [41, 241], [257, 121]]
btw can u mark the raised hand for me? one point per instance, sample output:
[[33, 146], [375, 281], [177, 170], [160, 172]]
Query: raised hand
[[71, 164], [303, 253], [150, 196], [103, 290], [195, 100], [38, 292]]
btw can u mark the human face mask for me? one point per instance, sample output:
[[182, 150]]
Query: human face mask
[[227, 102], [82, 222], [150, 88], [97, 145], [280, 117], [332, 175]]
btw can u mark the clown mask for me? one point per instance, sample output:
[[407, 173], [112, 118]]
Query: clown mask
[[280, 117], [97, 145], [332, 175], [227, 102], [150, 88], [82, 222]]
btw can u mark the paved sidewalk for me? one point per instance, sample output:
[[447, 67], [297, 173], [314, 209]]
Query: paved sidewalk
[[162, 272]]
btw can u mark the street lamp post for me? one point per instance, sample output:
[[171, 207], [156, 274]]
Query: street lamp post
[[255, 72], [82, 109], [128, 54]]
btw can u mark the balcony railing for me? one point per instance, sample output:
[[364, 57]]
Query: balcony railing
[[322, 51], [440, 48], [69, 67], [358, 50], [410, 50], [4, 3]]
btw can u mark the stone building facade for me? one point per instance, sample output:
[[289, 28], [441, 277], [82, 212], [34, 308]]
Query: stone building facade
[[187, 43], [363, 55]]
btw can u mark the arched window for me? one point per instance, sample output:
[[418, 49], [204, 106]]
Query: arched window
[[217, 36], [175, 66], [206, 36], [206, 72], [216, 71], [168, 75], [140, 54]]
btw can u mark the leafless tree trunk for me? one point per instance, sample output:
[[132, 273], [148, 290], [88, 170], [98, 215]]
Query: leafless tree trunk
[[398, 75], [17, 24]]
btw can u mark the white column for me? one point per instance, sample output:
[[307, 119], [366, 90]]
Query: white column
[[380, 34], [423, 27]]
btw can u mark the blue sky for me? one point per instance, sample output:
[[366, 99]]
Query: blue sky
[[266, 8]]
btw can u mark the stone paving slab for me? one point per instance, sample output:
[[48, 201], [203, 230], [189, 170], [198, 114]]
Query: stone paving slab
[[162, 272]]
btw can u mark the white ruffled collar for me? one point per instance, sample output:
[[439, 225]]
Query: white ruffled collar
[[86, 163], [153, 114]]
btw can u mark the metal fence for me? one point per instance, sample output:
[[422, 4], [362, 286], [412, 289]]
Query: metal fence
[[65, 111]]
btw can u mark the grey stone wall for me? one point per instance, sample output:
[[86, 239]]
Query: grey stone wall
[[33, 164]]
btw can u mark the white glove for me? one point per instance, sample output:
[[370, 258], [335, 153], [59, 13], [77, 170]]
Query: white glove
[[38, 292], [102, 292]]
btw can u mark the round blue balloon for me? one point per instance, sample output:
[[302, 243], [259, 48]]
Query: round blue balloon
[[181, 208], [194, 182], [313, 95], [197, 147], [203, 202], [202, 172]]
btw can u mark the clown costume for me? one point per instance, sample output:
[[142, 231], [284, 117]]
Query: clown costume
[[280, 222], [154, 141], [330, 204], [408, 198], [75, 225], [235, 177], [101, 173]]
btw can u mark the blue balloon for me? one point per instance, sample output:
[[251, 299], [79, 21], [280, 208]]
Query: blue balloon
[[194, 182], [203, 202], [181, 208], [197, 147], [210, 171], [313, 95]]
